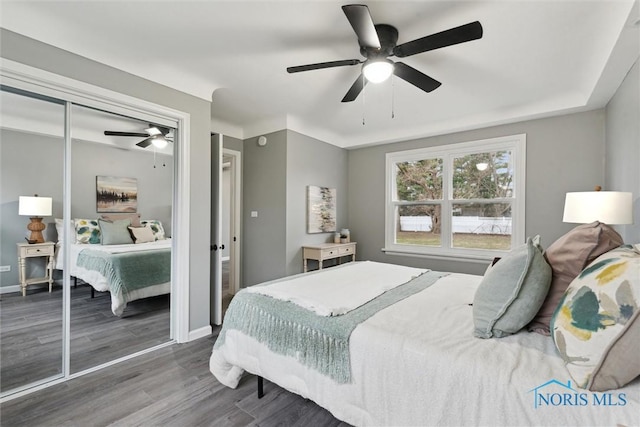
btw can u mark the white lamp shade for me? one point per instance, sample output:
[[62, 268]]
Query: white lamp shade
[[34, 206], [377, 71], [609, 207]]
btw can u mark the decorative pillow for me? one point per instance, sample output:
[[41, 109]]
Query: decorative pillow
[[511, 292], [116, 232], [141, 234], [87, 231], [156, 227], [596, 327], [568, 256], [134, 217]]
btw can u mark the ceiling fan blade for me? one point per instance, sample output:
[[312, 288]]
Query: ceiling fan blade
[[114, 133], [415, 77], [461, 34], [355, 89], [160, 130], [145, 142], [321, 65], [360, 19]]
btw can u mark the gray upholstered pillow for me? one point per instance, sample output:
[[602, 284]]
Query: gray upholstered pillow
[[568, 256], [511, 292], [116, 232], [134, 217]]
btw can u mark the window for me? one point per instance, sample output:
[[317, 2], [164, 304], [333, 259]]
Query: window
[[463, 200]]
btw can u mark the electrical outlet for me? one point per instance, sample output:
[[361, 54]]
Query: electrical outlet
[[4, 268]]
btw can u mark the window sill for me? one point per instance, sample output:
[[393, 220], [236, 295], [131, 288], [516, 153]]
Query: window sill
[[477, 259]]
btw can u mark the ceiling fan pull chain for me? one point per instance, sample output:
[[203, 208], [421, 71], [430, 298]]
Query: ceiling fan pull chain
[[364, 97], [393, 97], [154, 157]]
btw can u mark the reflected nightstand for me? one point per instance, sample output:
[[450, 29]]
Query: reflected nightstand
[[26, 250]]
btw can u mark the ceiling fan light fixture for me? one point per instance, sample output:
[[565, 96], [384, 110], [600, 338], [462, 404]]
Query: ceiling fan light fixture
[[152, 131], [159, 141], [377, 70]]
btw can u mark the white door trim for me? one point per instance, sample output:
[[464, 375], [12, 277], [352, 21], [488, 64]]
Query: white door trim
[[235, 200]]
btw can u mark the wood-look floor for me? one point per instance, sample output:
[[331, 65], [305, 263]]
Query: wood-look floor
[[168, 387], [31, 332]]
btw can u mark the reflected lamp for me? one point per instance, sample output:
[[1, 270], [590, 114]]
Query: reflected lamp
[[35, 207]]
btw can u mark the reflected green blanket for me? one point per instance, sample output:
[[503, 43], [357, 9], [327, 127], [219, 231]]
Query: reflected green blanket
[[129, 271], [318, 342]]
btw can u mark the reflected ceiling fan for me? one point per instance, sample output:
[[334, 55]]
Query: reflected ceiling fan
[[378, 42], [154, 134]]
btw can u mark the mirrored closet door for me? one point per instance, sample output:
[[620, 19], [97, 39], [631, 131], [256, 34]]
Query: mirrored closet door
[[98, 278], [31, 310], [121, 205]]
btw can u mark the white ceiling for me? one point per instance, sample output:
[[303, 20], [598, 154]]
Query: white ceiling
[[536, 58]]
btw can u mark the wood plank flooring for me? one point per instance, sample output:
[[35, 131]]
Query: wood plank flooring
[[168, 387], [31, 332]]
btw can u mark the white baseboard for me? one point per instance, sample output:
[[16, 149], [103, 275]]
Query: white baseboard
[[10, 289], [205, 331]]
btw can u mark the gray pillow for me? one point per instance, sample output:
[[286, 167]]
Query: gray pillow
[[115, 232], [511, 293]]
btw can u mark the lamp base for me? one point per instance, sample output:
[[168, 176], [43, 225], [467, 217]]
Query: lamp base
[[36, 226]]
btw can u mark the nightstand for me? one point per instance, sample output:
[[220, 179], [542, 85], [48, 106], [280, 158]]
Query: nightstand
[[26, 250], [327, 251]]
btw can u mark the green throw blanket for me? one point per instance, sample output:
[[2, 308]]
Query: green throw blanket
[[318, 342], [128, 271]]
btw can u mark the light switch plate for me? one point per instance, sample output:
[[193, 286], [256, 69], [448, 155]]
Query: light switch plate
[[5, 268]]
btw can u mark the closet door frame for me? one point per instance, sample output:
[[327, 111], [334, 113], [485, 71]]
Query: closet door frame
[[30, 79]]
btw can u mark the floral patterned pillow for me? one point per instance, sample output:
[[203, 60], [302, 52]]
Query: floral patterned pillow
[[155, 226], [87, 231], [596, 326]]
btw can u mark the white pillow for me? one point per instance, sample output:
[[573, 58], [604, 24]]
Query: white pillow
[[141, 234]]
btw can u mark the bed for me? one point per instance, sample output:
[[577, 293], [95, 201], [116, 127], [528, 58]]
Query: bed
[[413, 361], [129, 272]]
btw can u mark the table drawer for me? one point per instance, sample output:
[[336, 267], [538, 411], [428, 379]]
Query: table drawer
[[329, 253], [42, 251], [348, 250]]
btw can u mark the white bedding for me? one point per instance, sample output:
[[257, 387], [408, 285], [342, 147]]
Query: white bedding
[[101, 283], [324, 293], [417, 363]]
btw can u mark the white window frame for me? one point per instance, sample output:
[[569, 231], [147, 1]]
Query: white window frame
[[514, 143]]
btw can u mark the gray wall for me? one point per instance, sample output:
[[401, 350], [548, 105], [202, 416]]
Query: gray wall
[[24, 174], [40, 55], [623, 147], [564, 153], [264, 180], [311, 162], [275, 180]]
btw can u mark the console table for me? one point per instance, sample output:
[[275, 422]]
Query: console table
[[326, 251], [26, 250]]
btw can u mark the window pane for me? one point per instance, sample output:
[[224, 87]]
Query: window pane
[[415, 225], [483, 176], [482, 226], [419, 180]]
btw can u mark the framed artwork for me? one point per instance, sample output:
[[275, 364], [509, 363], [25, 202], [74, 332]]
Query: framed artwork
[[321, 209], [116, 194]]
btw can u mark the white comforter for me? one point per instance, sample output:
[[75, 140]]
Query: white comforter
[[417, 363], [323, 292], [101, 283]]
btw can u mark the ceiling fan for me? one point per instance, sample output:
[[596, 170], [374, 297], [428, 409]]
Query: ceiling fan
[[154, 134], [378, 42]]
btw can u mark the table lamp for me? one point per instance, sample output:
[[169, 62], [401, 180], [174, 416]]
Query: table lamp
[[608, 207], [35, 207]]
